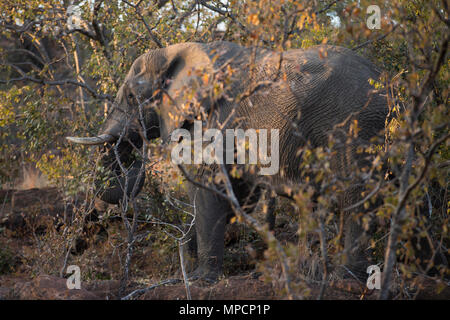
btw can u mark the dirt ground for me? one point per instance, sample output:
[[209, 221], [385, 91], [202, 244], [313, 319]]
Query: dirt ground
[[33, 253]]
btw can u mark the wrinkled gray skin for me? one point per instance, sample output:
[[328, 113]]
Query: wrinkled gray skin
[[315, 90]]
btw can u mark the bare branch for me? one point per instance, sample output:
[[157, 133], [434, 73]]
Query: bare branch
[[379, 38], [229, 15], [58, 83], [142, 291], [142, 18]]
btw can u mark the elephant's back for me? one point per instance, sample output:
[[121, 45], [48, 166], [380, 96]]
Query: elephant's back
[[330, 85], [315, 91]]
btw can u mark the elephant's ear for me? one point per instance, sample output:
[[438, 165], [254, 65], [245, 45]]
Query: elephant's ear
[[184, 70], [156, 72], [173, 66], [169, 68]]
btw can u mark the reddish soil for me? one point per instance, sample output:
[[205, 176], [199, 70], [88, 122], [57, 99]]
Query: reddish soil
[[25, 217]]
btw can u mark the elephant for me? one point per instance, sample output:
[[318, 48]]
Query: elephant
[[303, 93]]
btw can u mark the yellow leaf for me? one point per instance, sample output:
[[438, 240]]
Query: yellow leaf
[[301, 22], [253, 19], [205, 78]]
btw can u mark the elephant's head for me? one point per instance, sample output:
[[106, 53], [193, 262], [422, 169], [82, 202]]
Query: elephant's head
[[149, 103]]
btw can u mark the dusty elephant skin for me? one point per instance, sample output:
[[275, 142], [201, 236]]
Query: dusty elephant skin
[[304, 94]]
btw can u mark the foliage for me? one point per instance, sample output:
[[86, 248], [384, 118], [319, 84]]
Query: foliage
[[6, 261], [63, 61]]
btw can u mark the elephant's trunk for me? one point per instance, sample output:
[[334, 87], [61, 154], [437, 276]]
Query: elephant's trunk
[[114, 193], [132, 181], [118, 181]]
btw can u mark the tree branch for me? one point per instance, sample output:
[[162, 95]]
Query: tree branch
[[155, 39], [376, 39], [58, 83]]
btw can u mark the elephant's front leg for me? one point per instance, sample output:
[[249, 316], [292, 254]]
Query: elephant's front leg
[[211, 212]]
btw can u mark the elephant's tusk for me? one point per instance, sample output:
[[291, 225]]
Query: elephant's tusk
[[92, 140]]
